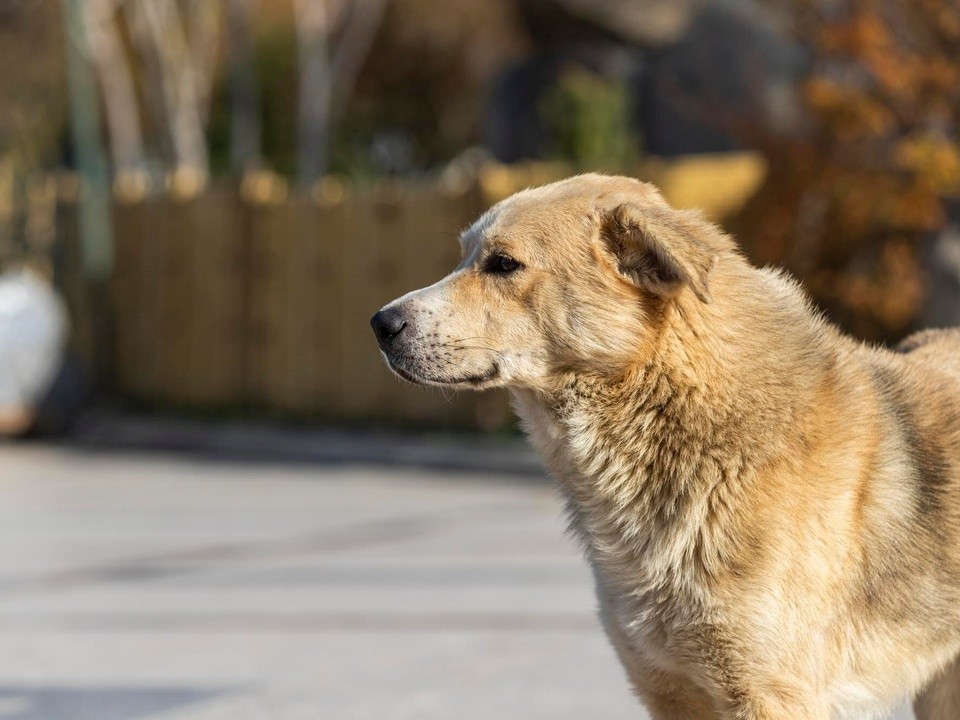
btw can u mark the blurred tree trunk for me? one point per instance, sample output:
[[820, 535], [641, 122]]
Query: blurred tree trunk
[[159, 31], [203, 35], [245, 149], [313, 121], [360, 27], [333, 40], [118, 93], [151, 72]]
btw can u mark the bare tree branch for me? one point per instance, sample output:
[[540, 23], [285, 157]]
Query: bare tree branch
[[359, 32], [316, 89], [119, 96], [179, 87], [152, 72], [203, 39], [334, 38]]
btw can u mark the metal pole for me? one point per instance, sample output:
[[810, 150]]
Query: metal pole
[[91, 164]]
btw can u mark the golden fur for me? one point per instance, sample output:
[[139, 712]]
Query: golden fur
[[771, 509]]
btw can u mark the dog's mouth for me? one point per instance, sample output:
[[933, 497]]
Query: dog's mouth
[[474, 380]]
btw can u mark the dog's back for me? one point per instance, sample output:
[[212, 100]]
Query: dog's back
[[941, 346], [929, 388], [931, 381]]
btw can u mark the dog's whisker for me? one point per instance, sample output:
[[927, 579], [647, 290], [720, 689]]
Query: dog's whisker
[[475, 347]]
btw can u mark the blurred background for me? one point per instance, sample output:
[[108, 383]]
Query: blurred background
[[216, 502]]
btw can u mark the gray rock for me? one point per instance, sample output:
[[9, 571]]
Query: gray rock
[[941, 264]]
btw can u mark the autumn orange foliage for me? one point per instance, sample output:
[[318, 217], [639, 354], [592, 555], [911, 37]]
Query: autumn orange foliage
[[850, 201]]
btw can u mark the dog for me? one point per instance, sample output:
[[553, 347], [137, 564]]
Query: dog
[[771, 509]]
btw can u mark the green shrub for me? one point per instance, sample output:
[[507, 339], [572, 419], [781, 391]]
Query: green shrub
[[587, 120]]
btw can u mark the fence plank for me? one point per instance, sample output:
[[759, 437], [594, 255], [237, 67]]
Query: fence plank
[[267, 224], [328, 227], [140, 232], [175, 243], [127, 287], [295, 382], [215, 310]]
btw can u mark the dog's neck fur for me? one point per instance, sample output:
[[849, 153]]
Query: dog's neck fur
[[654, 460]]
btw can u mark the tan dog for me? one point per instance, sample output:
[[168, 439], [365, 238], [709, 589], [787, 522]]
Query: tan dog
[[771, 509]]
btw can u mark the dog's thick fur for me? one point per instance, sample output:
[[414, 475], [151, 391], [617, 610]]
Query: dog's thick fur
[[771, 509]]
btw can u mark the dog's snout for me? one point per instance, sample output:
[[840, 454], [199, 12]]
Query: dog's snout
[[387, 324]]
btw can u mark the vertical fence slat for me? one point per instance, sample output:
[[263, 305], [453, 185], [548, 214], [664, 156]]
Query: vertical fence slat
[[265, 302], [127, 291], [174, 242], [310, 309], [328, 228], [215, 306], [293, 365], [151, 274]]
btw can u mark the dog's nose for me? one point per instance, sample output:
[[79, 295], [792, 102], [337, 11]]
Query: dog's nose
[[387, 324]]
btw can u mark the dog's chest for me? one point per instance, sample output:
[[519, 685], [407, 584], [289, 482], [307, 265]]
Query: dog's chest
[[659, 628], [635, 522], [640, 565]]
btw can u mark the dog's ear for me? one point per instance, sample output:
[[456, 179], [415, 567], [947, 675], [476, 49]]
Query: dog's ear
[[658, 248]]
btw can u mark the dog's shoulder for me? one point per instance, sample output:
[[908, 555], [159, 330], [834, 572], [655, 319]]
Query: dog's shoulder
[[940, 346], [924, 369]]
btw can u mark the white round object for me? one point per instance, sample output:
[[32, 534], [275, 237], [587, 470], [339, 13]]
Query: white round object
[[33, 335]]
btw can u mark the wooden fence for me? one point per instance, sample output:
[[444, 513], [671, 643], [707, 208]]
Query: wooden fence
[[257, 298]]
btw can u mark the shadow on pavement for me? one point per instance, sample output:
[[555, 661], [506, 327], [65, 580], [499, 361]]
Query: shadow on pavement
[[95, 703], [509, 457]]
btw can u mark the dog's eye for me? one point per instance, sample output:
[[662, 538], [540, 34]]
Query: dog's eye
[[501, 264]]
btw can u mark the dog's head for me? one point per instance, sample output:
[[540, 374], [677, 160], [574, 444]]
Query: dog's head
[[567, 277]]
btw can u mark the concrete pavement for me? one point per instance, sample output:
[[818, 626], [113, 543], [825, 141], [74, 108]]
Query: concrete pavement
[[184, 586], [168, 587]]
